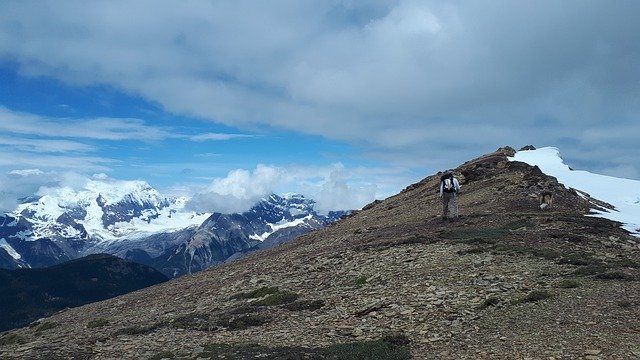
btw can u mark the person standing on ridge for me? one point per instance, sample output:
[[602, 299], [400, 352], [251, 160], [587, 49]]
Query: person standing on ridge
[[449, 187]]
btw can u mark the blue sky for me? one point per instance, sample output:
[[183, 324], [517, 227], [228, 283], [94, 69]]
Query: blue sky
[[342, 101]]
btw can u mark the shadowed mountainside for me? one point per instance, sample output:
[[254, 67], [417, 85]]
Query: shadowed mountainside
[[506, 280], [29, 294]]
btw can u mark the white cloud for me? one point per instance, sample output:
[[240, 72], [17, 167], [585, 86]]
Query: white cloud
[[355, 71], [218, 136], [337, 194], [238, 191], [333, 187]]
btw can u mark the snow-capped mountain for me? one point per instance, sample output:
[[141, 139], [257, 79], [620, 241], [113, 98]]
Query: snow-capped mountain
[[131, 219], [222, 237], [622, 194], [104, 211]]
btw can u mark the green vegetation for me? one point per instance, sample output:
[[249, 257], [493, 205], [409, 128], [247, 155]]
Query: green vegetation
[[492, 301], [519, 224], [9, 339], [278, 298], [163, 355], [361, 280], [614, 275], [47, 325], [244, 321], [138, 330], [207, 322], [301, 305], [393, 347], [97, 323], [625, 304], [258, 293], [272, 296], [466, 234], [195, 321], [536, 295]]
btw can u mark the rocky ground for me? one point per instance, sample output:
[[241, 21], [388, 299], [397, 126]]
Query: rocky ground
[[504, 281]]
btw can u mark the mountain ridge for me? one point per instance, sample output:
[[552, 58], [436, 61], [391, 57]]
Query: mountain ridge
[[135, 222], [506, 280]]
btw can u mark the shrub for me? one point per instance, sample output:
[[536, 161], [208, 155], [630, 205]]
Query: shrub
[[12, 339], [625, 304], [492, 301], [46, 326], [194, 321], [97, 323], [391, 347], [163, 355], [300, 305], [257, 293], [361, 280], [138, 330], [534, 296], [246, 321], [613, 275], [385, 349], [279, 298]]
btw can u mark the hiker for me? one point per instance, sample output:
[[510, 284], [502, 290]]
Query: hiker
[[449, 187]]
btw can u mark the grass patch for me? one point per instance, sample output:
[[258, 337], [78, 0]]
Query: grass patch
[[590, 270], [279, 298], [490, 302], [361, 280], [47, 325], [627, 263], [613, 275], [300, 305], [10, 339], [195, 321], [625, 304], [389, 348], [138, 330], [518, 224], [534, 296], [568, 284], [578, 259], [257, 293], [245, 321], [479, 241], [243, 310], [477, 234], [97, 323], [163, 355]]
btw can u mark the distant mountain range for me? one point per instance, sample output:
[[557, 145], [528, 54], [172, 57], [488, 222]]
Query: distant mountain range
[[29, 294], [133, 221]]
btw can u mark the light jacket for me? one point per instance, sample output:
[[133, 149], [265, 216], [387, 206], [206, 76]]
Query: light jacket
[[456, 185]]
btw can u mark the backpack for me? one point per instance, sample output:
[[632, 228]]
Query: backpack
[[447, 184]]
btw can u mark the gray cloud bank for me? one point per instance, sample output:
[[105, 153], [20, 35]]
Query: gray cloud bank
[[417, 83]]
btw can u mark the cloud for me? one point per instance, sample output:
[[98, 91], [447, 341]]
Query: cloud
[[238, 191], [398, 78], [39, 145], [334, 187], [218, 136], [337, 194]]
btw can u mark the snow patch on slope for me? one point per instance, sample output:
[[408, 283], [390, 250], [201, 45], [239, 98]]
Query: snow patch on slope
[[623, 194], [280, 225], [14, 254]]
